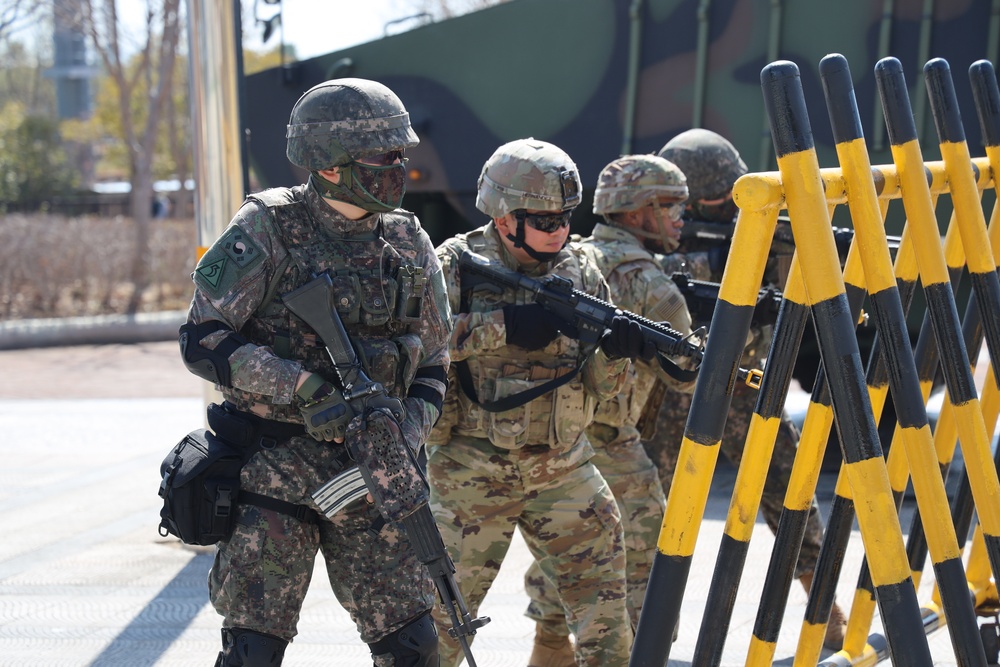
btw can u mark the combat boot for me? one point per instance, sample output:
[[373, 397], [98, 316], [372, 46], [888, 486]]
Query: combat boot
[[836, 627], [551, 650]]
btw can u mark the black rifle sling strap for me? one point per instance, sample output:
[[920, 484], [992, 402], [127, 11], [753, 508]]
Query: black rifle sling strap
[[507, 402], [675, 371]]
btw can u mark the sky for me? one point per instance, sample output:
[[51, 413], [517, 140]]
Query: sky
[[317, 27], [314, 27]]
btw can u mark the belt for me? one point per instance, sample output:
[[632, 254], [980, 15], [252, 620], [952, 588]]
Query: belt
[[247, 429]]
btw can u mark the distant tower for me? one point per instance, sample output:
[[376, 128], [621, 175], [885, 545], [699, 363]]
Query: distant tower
[[70, 70], [72, 75]]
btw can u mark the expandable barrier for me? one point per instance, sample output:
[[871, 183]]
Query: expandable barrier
[[870, 487]]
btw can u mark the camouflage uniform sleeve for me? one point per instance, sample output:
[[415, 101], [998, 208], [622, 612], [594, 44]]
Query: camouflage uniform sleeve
[[472, 333], [230, 290], [441, 432], [653, 294], [602, 377], [434, 330]]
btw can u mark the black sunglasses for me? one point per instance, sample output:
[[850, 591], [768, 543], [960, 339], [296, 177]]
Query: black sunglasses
[[544, 222]]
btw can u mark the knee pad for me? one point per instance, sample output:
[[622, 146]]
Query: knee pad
[[413, 645], [246, 648]]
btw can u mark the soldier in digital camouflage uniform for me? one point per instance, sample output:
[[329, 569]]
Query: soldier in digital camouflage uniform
[[276, 376], [640, 198], [712, 165], [500, 461]]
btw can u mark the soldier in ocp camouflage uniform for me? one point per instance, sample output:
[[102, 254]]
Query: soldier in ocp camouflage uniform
[[275, 375], [640, 198], [712, 165], [500, 460]]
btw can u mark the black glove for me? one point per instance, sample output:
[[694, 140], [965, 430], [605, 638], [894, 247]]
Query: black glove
[[324, 410], [531, 326], [625, 339]]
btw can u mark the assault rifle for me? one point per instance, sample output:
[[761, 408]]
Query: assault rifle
[[386, 467], [783, 243], [701, 296], [587, 317]]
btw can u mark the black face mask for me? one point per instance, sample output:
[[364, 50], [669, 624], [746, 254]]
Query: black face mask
[[377, 189], [724, 212]]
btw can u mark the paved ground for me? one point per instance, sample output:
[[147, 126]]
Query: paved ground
[[86, 580]]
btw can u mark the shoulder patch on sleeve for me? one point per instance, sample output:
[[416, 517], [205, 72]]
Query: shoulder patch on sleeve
[[232, 256]]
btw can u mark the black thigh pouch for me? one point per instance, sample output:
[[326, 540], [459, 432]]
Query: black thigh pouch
[[200, 486]]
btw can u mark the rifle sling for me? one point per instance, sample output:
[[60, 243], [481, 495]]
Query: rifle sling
[[507, 402], [675, 371]]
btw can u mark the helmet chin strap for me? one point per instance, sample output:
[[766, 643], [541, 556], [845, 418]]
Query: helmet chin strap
[[519, 242]]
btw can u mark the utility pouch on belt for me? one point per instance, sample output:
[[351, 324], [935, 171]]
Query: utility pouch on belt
[[200, 485], [200, 477]]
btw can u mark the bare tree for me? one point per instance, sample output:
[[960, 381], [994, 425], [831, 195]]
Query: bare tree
[[150, 75], [16, 15]]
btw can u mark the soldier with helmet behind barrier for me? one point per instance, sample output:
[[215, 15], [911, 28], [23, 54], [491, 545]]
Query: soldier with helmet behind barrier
[[510, 451], [712, 165], [277, 378], [640, 198]]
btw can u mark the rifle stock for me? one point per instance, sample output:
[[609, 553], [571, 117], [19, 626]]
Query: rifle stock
[[588, 315], [385, 461]]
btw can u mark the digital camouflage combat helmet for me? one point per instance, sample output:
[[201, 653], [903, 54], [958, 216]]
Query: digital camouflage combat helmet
[[709, 161], [530, 175], [360, 126], [634, 182]]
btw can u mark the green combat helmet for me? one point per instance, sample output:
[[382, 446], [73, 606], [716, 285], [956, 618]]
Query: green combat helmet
[[341, 120], [360, 126], [709, 161], [528, 174], [634, 182]]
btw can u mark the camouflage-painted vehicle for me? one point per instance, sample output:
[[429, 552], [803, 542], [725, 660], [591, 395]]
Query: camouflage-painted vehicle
[[600, 78]]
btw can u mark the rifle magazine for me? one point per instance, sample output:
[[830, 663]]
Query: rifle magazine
[[344, 489]]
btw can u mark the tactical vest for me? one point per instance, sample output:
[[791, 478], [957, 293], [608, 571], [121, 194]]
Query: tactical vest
[[626, 407], [556, 418], [372, 284]]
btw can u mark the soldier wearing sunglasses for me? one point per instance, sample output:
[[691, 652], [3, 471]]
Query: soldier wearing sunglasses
[[640, 199], [510, 450]]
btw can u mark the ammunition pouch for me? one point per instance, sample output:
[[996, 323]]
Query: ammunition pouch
[[200, 476]]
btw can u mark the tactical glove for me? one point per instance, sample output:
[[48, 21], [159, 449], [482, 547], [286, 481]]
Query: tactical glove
[[324, 410], [531, 326], [625, 339]]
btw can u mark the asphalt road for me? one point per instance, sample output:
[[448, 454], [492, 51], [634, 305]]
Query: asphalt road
[[86, 580]]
